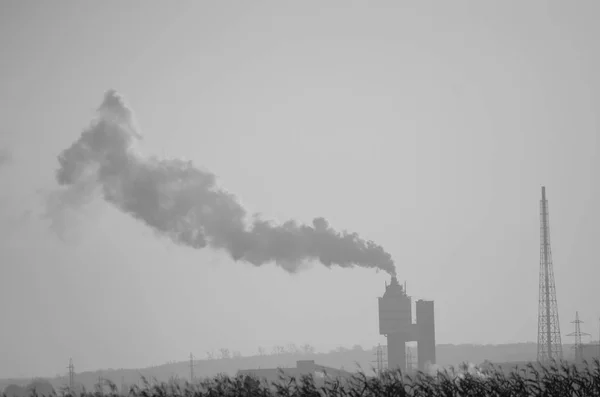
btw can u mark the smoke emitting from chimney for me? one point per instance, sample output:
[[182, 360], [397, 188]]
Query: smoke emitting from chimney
[[184, 203]]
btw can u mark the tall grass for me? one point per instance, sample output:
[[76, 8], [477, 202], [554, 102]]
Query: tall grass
[[557, 379]]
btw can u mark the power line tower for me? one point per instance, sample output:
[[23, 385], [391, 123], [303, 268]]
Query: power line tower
[[380, 360], [191, 367], [578, 334], [409, 358], [549, 342], [71, 368]]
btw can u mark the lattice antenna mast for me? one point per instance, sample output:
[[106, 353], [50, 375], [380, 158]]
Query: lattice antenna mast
[[549, 340], [578, 334]]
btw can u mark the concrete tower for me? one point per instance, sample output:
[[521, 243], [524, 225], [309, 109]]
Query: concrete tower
[[395, 322]]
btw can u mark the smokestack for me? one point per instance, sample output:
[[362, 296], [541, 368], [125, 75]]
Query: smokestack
[[185, 204]]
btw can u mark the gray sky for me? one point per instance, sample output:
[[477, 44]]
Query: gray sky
[[427, 128]]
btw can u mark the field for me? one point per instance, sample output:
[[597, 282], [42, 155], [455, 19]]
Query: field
[[561, 379]]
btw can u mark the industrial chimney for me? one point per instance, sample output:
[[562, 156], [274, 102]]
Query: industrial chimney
[[395, 322]]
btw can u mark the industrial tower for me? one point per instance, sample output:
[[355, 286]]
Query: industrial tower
[[549, 342], [395, 322]]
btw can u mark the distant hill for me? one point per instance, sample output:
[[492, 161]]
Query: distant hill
[[347, 359]]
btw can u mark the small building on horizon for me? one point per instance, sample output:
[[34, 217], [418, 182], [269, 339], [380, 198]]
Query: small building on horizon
[[303, 368]]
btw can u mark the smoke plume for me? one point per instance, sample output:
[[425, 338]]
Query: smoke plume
[[184, 202]]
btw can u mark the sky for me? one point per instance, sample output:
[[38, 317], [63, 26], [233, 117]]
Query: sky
[[427, 127]]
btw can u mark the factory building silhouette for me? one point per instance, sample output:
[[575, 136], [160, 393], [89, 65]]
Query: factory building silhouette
[[395, 322]]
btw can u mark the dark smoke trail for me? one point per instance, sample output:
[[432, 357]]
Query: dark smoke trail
[[184, 203]]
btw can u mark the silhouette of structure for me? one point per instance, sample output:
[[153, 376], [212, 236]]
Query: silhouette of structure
[[380, 360], [395, 322], [578, 346], [320, 373], [549, 342], [191, 368], [409, 358], [71, 368]]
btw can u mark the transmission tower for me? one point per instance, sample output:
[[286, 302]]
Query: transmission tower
[[409, 358], [191, 367], [549, 342], [380, 360], [578, 334], [71, 368]]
